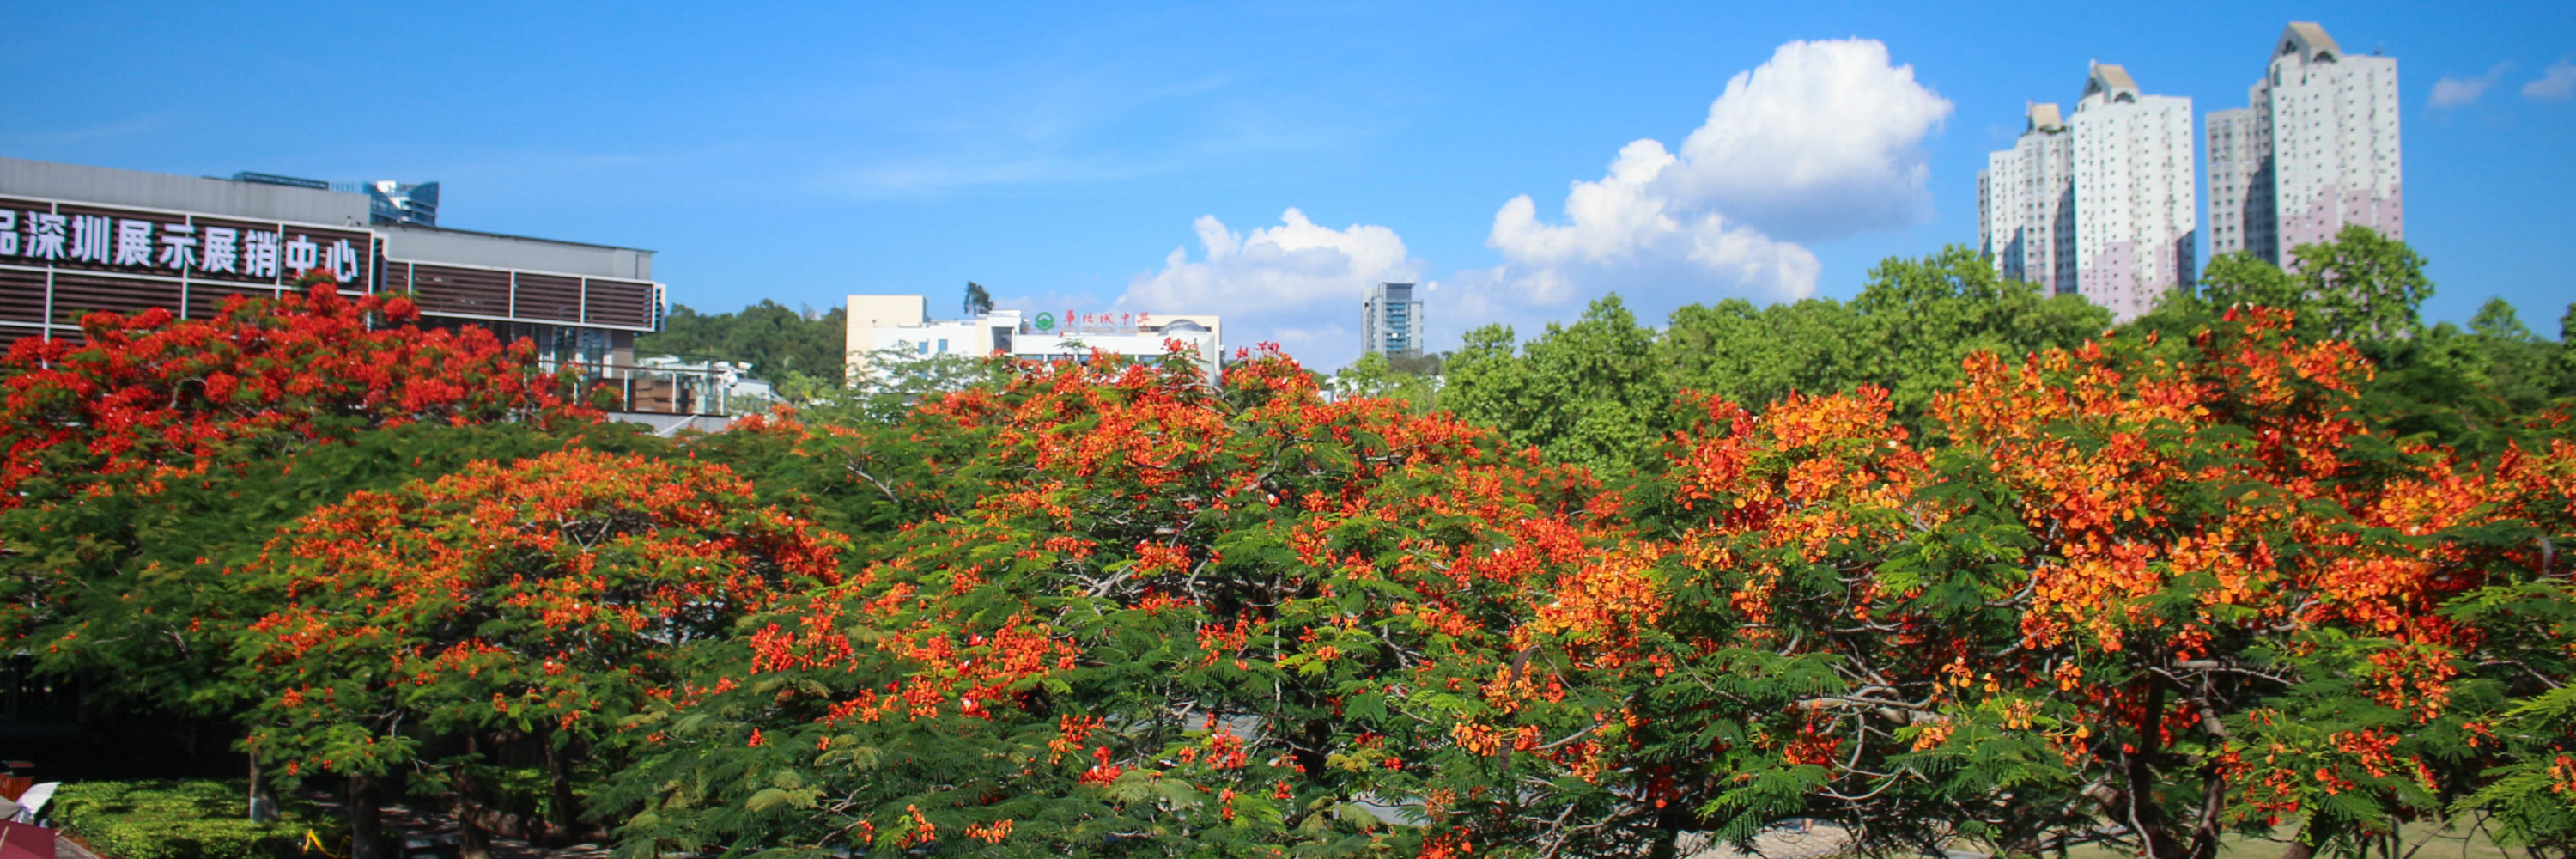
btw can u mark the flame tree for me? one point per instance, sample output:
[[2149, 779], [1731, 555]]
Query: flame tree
[[544, 599], [2145, 593], [151, 451]]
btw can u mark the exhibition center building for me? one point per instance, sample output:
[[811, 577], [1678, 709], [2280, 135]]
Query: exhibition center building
[[77, 239]]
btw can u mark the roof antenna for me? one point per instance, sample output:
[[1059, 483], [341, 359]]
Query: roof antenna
[[2375, 50]]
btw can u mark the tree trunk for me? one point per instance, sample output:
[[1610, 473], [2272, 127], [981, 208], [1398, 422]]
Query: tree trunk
[[2143, 812], [563, 814], [1664, 846], [262, 798], [474, 842], [366, 820]]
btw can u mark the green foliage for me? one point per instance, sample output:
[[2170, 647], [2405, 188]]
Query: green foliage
[[774, 339], [1587, 393], [1414, 380], [1599, 392], [2362, 287], [1917, 320], [193, 819], [897, 378], [153, 625]]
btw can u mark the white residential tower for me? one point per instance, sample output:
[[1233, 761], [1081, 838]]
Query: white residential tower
[[2317, 149], [2137, 210], [2102, 204], [2026, 204]]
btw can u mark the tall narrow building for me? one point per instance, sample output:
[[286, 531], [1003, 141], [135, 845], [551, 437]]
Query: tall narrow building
[[2026, 204], [2315, 150], [1391, 320], [2137, 210], [2102, 204]]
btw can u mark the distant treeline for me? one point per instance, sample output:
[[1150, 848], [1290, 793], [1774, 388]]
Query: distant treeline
[[776, 340]]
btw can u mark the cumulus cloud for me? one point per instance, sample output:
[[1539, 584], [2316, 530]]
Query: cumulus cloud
[[1822, 141], [2557, 83], [1297, 283], [2454, 92], [1625, 221]]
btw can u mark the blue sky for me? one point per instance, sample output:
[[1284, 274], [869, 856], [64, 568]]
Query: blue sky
[[1062, 154]]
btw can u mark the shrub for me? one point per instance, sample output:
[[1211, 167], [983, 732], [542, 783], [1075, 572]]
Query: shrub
[[169, 819]]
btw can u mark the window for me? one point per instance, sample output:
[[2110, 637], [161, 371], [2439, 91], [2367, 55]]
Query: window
[[943, 346]]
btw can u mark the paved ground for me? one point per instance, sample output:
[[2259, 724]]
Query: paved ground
[[65, 848], [1795, 841]]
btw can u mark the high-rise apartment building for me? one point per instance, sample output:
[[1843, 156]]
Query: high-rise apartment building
[[2026, 204], [2137, 210], [2316, 149], [2101, 204], [1391, 320]]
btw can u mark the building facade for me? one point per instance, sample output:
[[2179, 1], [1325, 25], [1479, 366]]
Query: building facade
[[2315, 149], [77, 239], [2102, 203], [1391, 320], [889, 328], [2136, 200], [2026, 204]]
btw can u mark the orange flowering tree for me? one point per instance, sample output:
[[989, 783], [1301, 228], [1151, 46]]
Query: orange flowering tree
[[142, 452], [2150, 594], [544, 599], [2134, 594], [1138, 614]]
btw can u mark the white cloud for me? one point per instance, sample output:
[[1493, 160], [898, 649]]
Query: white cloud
[[1297, 283], [2557, 83], [1822, 141], [2454, 92], [1626, 222]]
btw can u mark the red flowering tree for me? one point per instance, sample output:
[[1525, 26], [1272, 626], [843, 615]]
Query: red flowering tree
[[141, 453], [2137, 595], [1152, 616], [543, 600]]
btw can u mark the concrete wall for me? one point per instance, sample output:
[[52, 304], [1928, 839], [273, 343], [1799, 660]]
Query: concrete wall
[[110, 186], [463, 247], [866, 314]]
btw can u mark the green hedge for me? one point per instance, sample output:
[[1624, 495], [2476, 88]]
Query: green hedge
[[171, 819]]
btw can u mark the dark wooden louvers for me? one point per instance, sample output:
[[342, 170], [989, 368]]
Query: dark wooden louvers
[[543, 296], [471, 291], [77, 294], [619, 302], [22, 295]]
